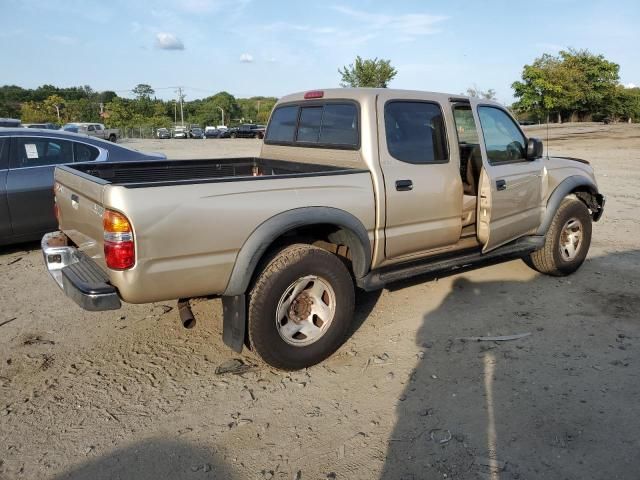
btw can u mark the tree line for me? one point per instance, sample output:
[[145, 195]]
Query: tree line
[[574, 85], [49, 103]]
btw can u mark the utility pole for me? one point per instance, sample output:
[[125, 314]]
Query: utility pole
[[175, 113], [181, 97], [220, 108]]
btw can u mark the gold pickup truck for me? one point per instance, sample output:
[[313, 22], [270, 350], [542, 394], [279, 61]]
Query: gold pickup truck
[[353, 188]]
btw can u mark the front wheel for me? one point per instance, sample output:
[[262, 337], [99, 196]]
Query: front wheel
[[567, 241], [300, 307]]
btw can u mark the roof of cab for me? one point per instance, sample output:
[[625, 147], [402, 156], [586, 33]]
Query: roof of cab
[[366, 94]]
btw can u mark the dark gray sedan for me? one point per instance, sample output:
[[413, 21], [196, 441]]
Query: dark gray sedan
[[28, 158]]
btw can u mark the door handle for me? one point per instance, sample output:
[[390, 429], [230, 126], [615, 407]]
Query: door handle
[[404, 185], [501, 185]]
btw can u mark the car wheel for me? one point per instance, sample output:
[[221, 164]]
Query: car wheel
[[233, 135], [300, 307], [113, 138], [567, 241]]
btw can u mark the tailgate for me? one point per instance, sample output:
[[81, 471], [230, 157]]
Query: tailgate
[[79, 199]]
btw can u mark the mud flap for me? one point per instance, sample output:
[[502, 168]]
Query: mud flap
[[234, 316]]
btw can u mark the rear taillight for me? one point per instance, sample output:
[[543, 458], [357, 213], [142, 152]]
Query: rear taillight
[[119, 248]]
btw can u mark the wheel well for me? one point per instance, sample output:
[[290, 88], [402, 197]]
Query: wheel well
[[591, 198], [332, 238]]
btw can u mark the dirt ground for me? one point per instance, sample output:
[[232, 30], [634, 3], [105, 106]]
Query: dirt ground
[[130, 394]]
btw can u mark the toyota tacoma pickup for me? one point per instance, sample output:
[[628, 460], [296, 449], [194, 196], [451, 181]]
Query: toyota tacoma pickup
[[354, 188], [94, 130]]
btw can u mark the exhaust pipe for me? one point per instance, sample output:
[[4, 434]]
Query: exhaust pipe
[[186, 315]]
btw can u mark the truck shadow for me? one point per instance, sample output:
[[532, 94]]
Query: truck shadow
[[536, 407], [153, 459]]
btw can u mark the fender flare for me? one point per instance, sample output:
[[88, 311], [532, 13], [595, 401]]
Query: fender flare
[[563, 189], [352, 233]]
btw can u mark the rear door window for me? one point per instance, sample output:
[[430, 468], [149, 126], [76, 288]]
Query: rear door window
[[39, 151], [415, 132]]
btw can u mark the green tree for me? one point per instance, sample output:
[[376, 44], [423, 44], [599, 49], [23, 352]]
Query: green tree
[[573, 83], [142, 91], [477, 93], [207, 112], [53, 106], [375, 73], [32, 112]]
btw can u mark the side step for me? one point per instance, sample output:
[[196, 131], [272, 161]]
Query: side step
[[378, 279]]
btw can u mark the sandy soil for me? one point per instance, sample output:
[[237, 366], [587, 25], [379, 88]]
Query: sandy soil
[[131, 394]]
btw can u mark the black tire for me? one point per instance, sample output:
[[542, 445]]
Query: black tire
[[233, 135], [549, 259], [113, 138], [282, 271]]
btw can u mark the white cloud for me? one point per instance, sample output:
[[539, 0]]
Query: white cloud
[[62, 39], [630, 85], [408, 25], [168, 41], [246, 58]]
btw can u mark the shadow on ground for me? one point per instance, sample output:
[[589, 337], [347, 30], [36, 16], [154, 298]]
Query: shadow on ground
[[153, 459], [558, 403]]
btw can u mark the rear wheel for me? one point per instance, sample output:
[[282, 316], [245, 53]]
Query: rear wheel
[[567, 241], [300, 307], [112, 138]]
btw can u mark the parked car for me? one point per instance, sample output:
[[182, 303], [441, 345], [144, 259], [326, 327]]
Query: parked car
[[94, 129], [352, 186], [46, 126], [28, 158], [211, 132], [248, 131], [526, 123], [180, 132], [163, 133], [9, 122], [226, 133], [196, 132]]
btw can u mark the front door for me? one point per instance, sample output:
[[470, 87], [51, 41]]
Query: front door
[[510, 187], [423, 188]]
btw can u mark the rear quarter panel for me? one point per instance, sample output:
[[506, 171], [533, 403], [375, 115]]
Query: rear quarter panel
[[188, 236]]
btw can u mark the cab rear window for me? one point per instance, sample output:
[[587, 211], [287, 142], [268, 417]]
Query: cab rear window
[[324, 125]]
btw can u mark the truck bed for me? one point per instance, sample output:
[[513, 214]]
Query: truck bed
[[177, 172]]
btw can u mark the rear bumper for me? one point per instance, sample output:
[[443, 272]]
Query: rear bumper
[[77, 275]]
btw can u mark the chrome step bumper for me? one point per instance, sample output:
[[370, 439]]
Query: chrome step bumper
[[77, 275]]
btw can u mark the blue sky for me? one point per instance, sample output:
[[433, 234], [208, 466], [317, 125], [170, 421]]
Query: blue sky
[[258, 47]]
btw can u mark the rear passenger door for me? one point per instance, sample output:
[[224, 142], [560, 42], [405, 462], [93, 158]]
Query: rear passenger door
[[30, 182], [423, 187]]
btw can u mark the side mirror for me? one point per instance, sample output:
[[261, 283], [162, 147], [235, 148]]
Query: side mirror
[[534, 149]]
